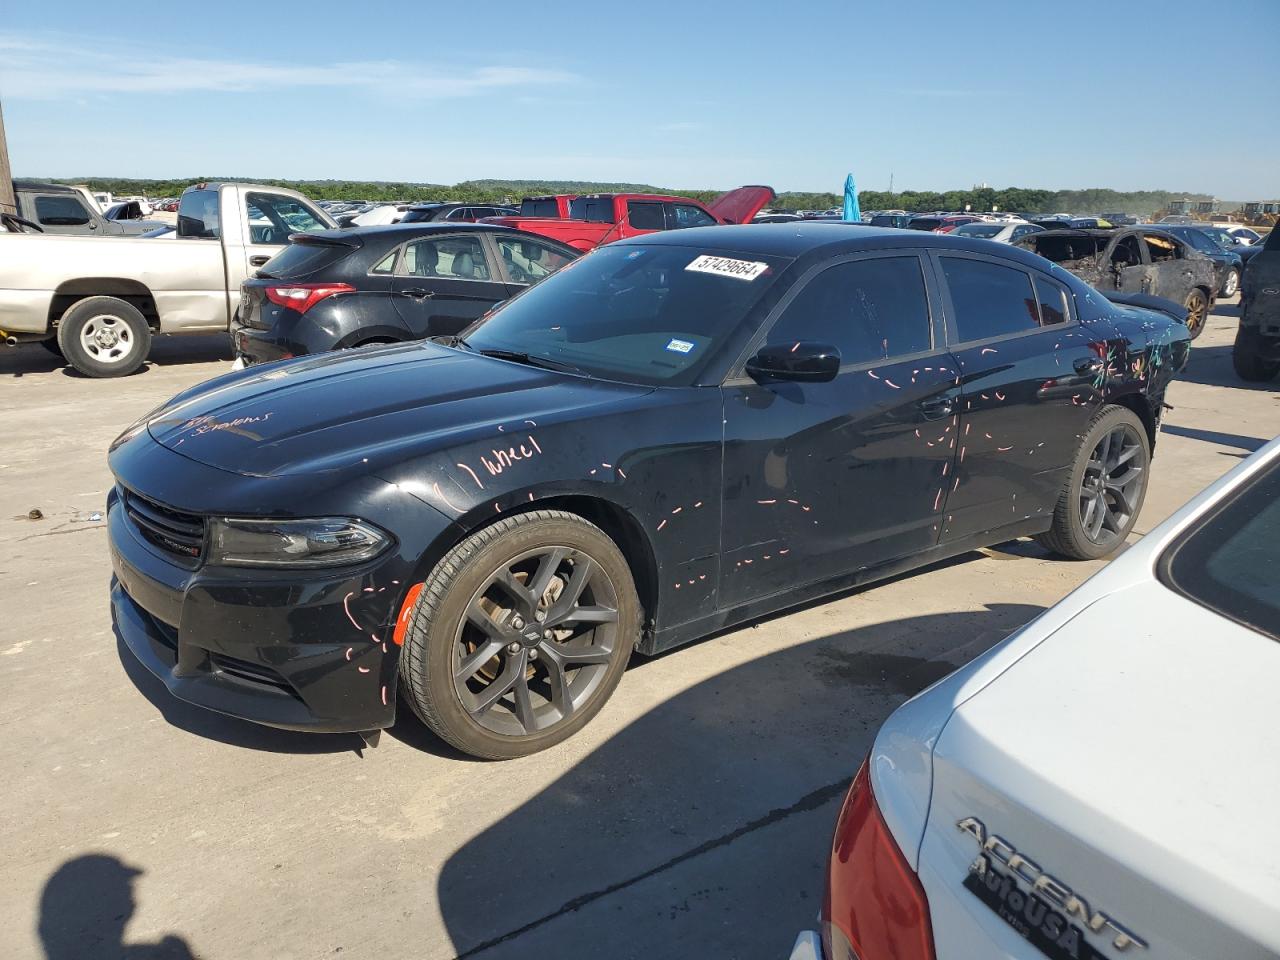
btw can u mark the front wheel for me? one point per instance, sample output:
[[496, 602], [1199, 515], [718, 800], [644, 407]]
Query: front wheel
[[520, 635], [1197, 305], [1105, 490], [104, 337]]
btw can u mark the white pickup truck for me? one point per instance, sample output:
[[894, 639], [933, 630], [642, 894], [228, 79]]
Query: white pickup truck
[[98, 303]]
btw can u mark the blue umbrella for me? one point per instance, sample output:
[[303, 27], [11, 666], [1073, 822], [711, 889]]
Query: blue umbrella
[[851, 208]]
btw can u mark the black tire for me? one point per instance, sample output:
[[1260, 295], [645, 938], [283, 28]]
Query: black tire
[[1197, 304], [122, 342], [1071, 536], [457, 627], [52, 346], [1230, 283], [1246, 357]]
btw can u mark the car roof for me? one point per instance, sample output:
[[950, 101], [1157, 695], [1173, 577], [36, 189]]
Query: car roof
[[801, 237], [400, 230], [40, 185]]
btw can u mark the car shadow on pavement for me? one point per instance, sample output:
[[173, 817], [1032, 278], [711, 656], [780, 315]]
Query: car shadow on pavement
[[1212, 367], [224, 729], [85, 907], [1236, 440], [31, 358], [703, 827]]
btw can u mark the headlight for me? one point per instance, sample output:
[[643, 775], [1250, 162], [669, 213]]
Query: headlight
[[322, 542]]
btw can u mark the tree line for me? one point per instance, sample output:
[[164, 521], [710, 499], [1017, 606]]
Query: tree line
[[1021, 199]]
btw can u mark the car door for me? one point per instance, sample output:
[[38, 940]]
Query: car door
[[525, 260], [1171, 276], [1125, 266], [444, 283], [269, 219], [824, 478], [1031, 379]]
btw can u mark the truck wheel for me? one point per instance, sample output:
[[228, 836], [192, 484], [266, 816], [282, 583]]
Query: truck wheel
[[104, 337], [1246, 357], [1197, 312], [520, 635], [1104, 492]]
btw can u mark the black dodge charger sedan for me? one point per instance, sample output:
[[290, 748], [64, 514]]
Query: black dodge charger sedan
[[674, 434], [351, 288]]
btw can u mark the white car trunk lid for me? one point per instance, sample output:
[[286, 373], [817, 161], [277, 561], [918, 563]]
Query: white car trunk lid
[[1138, 804]]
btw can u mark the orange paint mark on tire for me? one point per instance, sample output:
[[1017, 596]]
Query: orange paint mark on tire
[[406, 612]]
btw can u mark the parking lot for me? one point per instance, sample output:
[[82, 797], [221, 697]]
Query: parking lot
[[696, 810]]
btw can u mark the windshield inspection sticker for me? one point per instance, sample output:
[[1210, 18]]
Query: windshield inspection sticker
[[725, 267], [679, 346]]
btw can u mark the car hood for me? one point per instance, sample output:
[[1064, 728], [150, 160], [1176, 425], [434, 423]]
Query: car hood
[[740, 205], [366, 409], [1125, 756]]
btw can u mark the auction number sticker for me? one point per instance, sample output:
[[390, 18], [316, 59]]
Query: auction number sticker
[[727, 267], [679, 346]]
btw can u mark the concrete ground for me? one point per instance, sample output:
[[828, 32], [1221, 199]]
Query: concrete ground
[[691, 818]]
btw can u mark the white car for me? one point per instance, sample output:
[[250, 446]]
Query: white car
[[386, 214], [1102, 784], [1006, 232]]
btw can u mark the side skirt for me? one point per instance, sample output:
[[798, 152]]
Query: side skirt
[[674, 636]]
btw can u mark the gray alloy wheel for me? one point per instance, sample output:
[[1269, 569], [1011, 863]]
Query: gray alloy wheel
[[1230, 283], [1104, 492], [520, 635]]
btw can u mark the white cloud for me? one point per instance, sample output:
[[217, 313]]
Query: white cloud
[[53, 68]]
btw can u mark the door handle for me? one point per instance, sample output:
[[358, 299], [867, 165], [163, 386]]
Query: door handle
[[417, 293], [936, 408], [258, 259], [1089, 366]]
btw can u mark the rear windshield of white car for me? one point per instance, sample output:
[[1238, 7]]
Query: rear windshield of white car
[[638, 314], [1230, 561], [987, 230]]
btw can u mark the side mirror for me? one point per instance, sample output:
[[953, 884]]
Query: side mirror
[[805, 361]]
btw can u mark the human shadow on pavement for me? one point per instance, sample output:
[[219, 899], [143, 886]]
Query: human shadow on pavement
[[85, 907], [217, 726], [702, 827]]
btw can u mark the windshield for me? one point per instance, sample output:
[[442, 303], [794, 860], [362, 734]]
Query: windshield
[[640, 314], [978, 229], [1228, 562]]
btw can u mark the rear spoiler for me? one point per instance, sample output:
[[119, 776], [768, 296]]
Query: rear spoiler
[[1171, 308], [330, 238]]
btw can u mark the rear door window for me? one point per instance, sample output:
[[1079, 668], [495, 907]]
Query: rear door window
[[871, 310], [645, 215], [273, 217], [1228, 561], [687, 215], [1054, 303], [65, 211], [448, 258], [594, 209], [988, 299], [528, 261], [539, 208], [198, 215]]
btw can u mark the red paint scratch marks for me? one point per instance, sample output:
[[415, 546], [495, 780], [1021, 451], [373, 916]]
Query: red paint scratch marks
[[384, 694], [938, 499], [621, 474], [966, 428], [746, 561], [794, 503], [384, 647], [872, 374], [702, 576], [349, 649], [373, 638], [917, 433], [987, 350], [795, 348], [783, 553], [435, 487], [945, 467], [691, 582], [473, 474], [532, 423], [805, 507], [962, 450], [593, 472], [348, 609], [767, 556], [496, 507], [677, 586], [697, 505], [988, 436], [765, 503], [676, 510], [500, 428], [1004, 449], [984, 396], [368, 590], [662, 524], [533, 441], [607, 466], [363, 669], [999, 395], [954, 485], [531, 496], [890, 383]]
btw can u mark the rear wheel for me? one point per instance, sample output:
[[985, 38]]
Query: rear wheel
[[1104, 492], [1230, 283], [521, 635], [1197, 305], [1246, 357], [104, 337]]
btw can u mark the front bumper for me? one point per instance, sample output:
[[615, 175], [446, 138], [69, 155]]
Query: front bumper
[[304, 650]]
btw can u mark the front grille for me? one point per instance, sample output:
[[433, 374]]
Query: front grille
[[180, 535]]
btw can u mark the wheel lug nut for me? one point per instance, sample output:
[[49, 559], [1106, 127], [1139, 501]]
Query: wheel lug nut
[[548, 635], [513, 648], [540, 615], [533, 654], [517, 623]]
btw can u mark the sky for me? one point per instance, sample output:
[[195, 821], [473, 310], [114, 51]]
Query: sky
[[1158, 94]]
